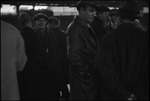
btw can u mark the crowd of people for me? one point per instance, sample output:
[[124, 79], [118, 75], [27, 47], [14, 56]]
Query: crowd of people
[[103, 55]]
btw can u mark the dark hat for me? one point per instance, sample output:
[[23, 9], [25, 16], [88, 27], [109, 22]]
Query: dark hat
[[113, 12], [40, 15], [53, 20], [130, 9], [24, 18], [102, 9], [85, 3]]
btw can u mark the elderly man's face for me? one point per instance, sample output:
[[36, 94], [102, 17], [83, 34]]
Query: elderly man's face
[[41, 23], [89, 13]]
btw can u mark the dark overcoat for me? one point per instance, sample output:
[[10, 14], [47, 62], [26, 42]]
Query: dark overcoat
[[62, 42], [124, 63], [43, 74], [82, 53], [99, 28]]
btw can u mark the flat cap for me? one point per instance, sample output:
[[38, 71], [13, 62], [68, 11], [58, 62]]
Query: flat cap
[[40, 15]]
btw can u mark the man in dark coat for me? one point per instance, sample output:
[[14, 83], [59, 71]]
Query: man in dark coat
[[28, 36], [53, 25], [43, 75], [100, 22], [82, 53], [124, 59]]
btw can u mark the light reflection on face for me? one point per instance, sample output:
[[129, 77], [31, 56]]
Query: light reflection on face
[[89, 14]]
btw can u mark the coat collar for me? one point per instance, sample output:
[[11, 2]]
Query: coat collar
[[126, 25], [82, 23]]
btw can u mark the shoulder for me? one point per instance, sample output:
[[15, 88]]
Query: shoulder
[[9, 29]]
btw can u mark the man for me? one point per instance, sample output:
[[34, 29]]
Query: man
[[13, 59], [124, 59], [82, 53], [53, 25], [28, 35], [46, 75], [40, 21], [100, 22]]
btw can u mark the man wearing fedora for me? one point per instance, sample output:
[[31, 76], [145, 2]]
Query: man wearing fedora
[[124, 59], [100, 22], [82, 51]]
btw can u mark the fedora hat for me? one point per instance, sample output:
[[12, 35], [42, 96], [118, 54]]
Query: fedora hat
[[85, 3], [40, 15], [130, 9]]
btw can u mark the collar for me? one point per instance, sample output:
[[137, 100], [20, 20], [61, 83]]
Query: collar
[[81, 22]]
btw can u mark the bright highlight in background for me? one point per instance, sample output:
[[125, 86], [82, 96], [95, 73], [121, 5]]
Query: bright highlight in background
[[40, 7], [25, 7], [8, 9]]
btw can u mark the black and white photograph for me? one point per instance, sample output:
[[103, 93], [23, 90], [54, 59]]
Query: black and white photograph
[[74, 50]]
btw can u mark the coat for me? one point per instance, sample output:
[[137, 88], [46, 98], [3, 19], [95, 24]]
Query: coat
[[82, 48], [13, 59], [124, 63], [99, 28], [43, 73], [62, 42]]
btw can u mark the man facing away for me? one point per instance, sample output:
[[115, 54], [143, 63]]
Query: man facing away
[[124, 58]]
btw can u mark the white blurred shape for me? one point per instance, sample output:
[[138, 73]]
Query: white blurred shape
[[8, 9], [25, 7]]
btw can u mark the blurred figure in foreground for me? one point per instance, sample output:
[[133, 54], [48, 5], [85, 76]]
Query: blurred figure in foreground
[[124, 58], [13, 59]]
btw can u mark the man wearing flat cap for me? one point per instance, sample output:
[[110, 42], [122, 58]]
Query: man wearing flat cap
[[45, 73], [124, 59], [82, 48]]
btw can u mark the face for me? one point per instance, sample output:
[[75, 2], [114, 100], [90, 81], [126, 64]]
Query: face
[[50, 26], [89, 13], [41, 23], [104, 16], [141, 13]]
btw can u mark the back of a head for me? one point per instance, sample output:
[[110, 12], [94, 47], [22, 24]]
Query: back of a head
[[24, 18], [129, 10]]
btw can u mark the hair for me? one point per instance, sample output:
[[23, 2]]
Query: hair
[[54, 20], [24, 18]]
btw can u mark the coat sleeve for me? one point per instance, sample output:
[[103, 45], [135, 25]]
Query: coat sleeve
[[107, 67], [21, 56]]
